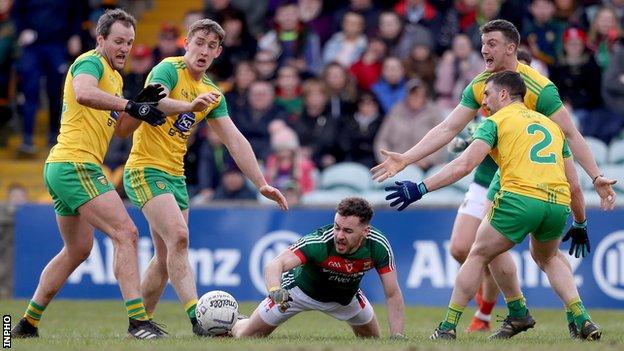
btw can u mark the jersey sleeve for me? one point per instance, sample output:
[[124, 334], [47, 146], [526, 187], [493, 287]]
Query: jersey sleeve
[[163, 73], [220, 111], [90, 65], [468, 99], [566, 149], [382, 255], [311, 248], [487, 132], [548, 101]]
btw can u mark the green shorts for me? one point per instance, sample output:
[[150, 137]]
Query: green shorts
[[515, 216], [494, 186], [72, 184], [143, 183]]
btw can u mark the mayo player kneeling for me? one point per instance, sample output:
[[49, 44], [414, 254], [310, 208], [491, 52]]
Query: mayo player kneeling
[[323, 273]]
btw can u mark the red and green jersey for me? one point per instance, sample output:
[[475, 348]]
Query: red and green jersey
[[328, 276]]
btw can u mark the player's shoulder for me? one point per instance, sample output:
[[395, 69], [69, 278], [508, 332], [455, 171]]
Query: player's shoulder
[[377, 238], [532, 78], [176, 62], [209, 83], [321, 234], [481, 77], [91, 55]]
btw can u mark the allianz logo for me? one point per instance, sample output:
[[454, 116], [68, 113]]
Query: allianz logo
[[608, 265]]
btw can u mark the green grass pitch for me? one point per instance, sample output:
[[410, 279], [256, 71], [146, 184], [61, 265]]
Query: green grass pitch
[[100, 325]]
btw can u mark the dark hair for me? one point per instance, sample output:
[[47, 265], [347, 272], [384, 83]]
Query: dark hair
[[524, 55], [355, 206], [510, 32], [208, 26], [106, 21], [512, 81]]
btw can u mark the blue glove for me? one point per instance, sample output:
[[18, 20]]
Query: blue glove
[[579, 246], [405, 193]]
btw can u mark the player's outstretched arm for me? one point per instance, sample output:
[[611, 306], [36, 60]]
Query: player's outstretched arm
[[243, 154], [585, 158], [459, 167], [433, 141], [283, 262], [394, 300]]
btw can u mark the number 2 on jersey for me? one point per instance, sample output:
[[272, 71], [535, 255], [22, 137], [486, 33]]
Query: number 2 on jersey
[[541, 145]]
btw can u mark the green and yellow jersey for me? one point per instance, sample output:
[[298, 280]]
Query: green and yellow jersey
[[86, 132], [164, 147], [529, 149], [541, 96]]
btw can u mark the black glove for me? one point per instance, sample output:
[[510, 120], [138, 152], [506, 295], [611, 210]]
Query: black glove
[[280, 297], [146, 111], [405, 193], [151, 93], [579, 246]]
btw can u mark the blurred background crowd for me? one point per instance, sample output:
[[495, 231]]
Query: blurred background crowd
[[315, 83]]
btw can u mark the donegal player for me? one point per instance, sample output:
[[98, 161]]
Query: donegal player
[[323, 273], [500, 42], [534, 160], [154, 173], [84, 198]]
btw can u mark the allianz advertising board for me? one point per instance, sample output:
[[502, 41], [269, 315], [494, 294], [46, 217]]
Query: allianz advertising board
[[230, 246]]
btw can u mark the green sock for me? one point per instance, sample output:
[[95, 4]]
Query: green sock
[[579, 312], [33, 313], [189, 307], [453, 314], [517, 306], [569, 316], [136, 309]]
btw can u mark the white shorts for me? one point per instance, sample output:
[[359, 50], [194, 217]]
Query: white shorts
[[474, 201], [358, 312]]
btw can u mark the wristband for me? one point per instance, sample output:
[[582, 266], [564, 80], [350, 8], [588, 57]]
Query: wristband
[[596, 177], [576, 224], [422, 188]]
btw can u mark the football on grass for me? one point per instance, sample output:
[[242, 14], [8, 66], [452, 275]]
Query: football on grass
[[216, 312]]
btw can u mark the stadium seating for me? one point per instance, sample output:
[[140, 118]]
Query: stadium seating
[[598, 148], [347, 175], [616, 152]]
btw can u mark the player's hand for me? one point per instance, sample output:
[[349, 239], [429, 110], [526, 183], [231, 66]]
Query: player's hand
[[398, 337], [203, 101], [405, 193], [280, 297], [274, 194], [146, 111], [393, 164], [151, 93], [579, 246], [603, 187]]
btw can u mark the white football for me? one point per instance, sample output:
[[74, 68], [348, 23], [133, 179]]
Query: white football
[[216, 312]]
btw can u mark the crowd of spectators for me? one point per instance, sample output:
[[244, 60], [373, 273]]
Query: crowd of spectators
[[311, 83]]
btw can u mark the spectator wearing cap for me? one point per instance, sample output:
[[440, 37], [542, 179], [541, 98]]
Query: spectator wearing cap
[[141, 62], [575, 77], [543, 32], [167, 45], [458, 67], [390, 88], [408, 122]]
